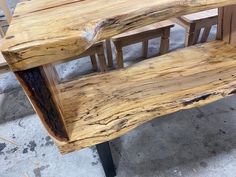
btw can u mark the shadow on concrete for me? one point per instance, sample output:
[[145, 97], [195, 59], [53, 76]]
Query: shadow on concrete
[[14, 105], [183, 138]]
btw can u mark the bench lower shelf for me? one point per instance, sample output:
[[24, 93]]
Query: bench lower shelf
[[105, 106]]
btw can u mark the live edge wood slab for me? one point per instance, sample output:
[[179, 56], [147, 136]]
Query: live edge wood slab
[[105, 106], [98, 108], [46, 31]]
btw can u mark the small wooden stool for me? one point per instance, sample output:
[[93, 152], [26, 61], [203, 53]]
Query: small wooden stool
[[96, 49], [4, 23], [6, 11], [193, 23], [161, 29], [3, 64]]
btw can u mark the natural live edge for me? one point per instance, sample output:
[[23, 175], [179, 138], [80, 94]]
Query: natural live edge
[[35, 86], [42, 33], [103, 107]]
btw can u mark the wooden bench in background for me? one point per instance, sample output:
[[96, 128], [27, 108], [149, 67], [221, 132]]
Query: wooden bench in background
[[95, 52], [3, 65], [194, 23], [98, 118], [7, 19], [144, 34], [3, 23]]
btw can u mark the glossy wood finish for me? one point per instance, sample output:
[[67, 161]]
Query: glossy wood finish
[[62, 29], [105, 106]]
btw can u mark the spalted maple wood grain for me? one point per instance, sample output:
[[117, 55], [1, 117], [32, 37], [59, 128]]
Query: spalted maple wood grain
[[105, 106], [42, 98], [46, 31]]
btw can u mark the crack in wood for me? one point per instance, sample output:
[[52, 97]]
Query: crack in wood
[[197, 99]]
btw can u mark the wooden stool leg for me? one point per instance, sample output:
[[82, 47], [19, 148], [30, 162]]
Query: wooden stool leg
[[165, 41], [119, 56], [102, 58], [94, 62], [145, 48], [105, 155], [189, 37], [109, 53], [102, 62], [6, 10], [205, 34], [2, 32], [196, 36]]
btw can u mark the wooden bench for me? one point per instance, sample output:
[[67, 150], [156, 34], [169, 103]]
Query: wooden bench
[[144, 34], [95, 50], [4, 7], [104, 106], [3, 65], [194, 23]]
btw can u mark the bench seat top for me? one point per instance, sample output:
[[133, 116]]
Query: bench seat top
[[213, 13], [46, 31], [155, 26]]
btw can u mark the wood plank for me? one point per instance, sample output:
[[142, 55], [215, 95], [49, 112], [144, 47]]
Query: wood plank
[[46, 31], [41, 92], [105, 106], [200, 15]]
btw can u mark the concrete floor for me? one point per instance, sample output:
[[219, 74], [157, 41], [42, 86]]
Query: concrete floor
[[194, 143]]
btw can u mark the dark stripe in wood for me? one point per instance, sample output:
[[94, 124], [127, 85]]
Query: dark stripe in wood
[[36, 88]]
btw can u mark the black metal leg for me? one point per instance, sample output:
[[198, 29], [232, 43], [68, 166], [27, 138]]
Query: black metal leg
[[105, 155]]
